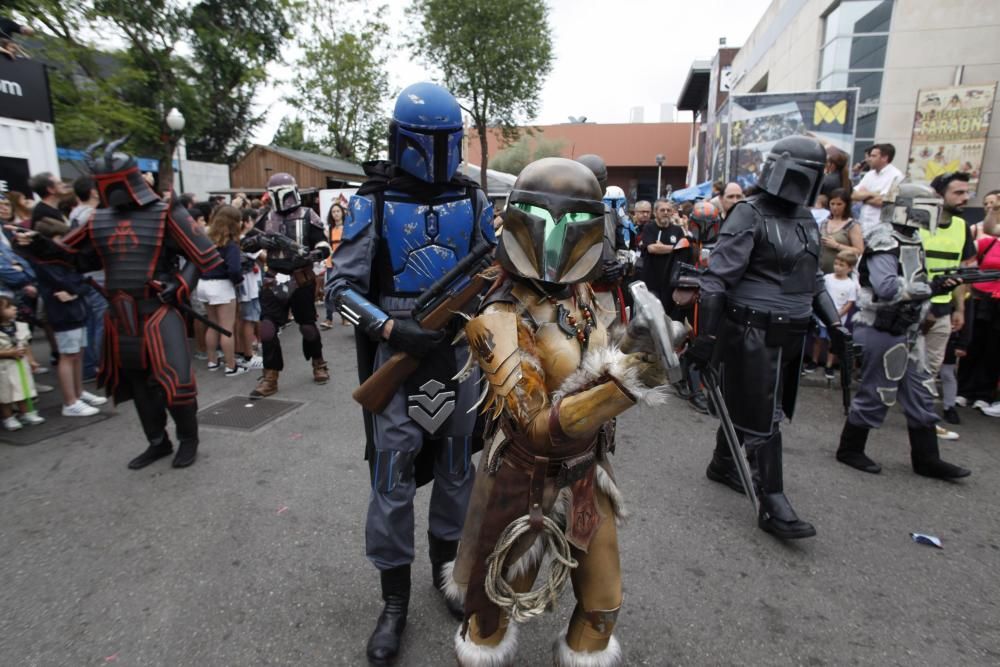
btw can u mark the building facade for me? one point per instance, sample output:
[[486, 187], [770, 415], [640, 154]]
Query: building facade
[[889, 50]]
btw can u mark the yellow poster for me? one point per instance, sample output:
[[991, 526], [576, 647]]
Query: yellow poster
[[949, 131]]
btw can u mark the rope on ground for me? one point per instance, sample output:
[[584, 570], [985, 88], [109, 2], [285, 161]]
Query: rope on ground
[[524, 606]]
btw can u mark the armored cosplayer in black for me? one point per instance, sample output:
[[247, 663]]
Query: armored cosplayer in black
[[758, 293], [137, 239], [293, 236]]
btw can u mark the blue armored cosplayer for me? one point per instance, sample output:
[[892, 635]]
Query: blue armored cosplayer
[[408, 225]]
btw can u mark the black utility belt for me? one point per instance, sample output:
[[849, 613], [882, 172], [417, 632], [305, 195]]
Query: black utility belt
[[779, 328]]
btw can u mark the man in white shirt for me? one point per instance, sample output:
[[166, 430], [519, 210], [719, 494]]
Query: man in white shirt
[[877, 182]]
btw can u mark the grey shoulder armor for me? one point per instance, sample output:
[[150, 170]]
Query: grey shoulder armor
[[880, 239]]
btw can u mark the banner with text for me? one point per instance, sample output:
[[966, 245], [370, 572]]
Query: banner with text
[[949, 131]]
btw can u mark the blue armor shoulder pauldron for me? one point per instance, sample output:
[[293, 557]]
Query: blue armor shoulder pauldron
[[486, 224], [360, 214]]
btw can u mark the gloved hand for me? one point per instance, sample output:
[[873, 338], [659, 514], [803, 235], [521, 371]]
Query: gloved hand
[[650, 370], [318, 254], [840, 338], [612, 271], [918, 292], [170, 291], [699, 352], [408, 336], [944, 284]]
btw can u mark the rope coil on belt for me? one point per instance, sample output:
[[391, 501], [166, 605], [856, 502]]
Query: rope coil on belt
[[522, 607]]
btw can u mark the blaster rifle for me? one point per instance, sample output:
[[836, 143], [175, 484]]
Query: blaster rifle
[[157, 286], [452, 293], [278, 242], [967, 274]]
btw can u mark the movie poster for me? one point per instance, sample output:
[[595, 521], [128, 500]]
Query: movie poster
[[949, 132], [754, 122]]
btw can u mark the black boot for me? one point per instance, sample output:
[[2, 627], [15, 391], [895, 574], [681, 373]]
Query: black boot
[[186, 421], [722, 468], [442, 553], [153, 453], [926, 457], [852, 449], [776, 514], [383, 645]]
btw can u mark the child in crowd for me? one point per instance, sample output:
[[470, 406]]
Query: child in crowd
[[249, 300], [17, 387], [843, 289]]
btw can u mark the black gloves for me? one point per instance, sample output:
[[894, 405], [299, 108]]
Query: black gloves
[[612, 271], [318, 254], [699, 352], [711, 310], [408, 336], [944, 284], [170, 292]]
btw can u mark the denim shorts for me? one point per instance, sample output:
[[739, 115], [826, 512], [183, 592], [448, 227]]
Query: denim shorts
[[72, 341], [250, 310]]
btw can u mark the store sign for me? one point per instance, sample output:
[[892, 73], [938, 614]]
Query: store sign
[[14, 175], [24, 90], [949, 132]]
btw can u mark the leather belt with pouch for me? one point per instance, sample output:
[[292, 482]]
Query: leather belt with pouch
[[779, 328]]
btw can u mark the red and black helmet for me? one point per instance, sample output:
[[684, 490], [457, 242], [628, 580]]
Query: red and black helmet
[[117, 177]]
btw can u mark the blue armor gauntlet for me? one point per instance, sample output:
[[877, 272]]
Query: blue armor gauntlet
[[361, 312]]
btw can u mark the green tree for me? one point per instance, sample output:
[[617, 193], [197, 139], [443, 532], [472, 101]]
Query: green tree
[[206, 58], [493, 56], [342, 83], [291, 133], [524, 151]]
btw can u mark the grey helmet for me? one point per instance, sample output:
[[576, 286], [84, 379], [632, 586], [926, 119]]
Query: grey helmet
[[793, 170], [912, 205], [284, 192]]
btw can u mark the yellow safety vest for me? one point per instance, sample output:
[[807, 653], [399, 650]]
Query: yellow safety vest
[[944, 250]]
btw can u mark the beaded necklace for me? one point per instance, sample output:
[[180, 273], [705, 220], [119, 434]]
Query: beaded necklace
[[567, 322]]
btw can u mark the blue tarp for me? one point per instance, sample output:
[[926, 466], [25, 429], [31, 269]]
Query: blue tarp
[[700, 191]]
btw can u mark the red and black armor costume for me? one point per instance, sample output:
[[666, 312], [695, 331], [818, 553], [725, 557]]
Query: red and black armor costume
[[137, 238]]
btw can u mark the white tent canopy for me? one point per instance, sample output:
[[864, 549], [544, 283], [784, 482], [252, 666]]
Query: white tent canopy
[[499, 183]]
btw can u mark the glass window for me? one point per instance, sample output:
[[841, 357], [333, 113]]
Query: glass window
[[868, 52], [876, 19], [867, 117], [834, 81], [836, 56], [870, 84]]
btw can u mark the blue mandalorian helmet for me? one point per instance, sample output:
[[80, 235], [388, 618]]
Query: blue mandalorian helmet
[[425, 135]]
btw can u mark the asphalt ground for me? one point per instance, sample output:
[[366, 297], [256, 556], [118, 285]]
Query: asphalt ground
[[255, 555]]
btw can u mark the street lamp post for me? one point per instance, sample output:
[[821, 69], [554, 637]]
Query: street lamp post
[[175, 121], [659, 172]]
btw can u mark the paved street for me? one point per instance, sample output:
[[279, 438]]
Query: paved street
[[255, 556]]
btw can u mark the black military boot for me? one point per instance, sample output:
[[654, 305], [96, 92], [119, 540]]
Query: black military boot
[[722, 468], [926, 457], [383, 645], [154, 452], [186, 420], [442, 553], [852, 449], [776, 514]]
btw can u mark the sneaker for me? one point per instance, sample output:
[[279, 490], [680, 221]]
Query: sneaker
[[32, 418], [828, 373], [214, 365], [236, 370], [42, 370], [326, 324], [945, 434], [200, 356], [79, 409], [12, 424], [951, 416], [93, 399], [961, 401], [44, 388], [256, 362], [981, 405], [992, 411]]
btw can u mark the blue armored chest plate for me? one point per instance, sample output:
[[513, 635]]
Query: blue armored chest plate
[[425, 241]]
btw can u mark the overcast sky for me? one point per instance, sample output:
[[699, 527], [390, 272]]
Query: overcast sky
[[609, 56]]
